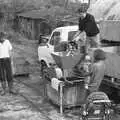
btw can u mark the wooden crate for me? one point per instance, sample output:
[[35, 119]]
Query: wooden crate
[[20, 66], [73, 94], [21, 69]]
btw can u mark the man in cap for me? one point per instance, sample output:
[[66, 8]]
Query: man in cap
[[88, 25]]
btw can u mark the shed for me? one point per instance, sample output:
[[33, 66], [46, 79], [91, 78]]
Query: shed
[[31, 24]]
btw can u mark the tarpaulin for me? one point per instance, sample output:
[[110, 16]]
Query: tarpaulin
[[112, 65]]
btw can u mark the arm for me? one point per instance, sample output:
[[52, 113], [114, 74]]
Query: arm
[[76, 36], [9, 45], [11, 57], [10, 49], [89, 77], [10, 53], [95, 76], [78, 33]]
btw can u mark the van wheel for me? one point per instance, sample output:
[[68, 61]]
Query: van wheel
[[43, 66]]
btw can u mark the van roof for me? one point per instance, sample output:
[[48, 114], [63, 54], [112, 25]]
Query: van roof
[[68, 28], [65, 30]]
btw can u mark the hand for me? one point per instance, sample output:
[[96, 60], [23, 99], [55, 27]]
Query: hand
[[86, 86], [76, 35]]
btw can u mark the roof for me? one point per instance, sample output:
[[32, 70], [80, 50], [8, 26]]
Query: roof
[[73, 19], [34, 14], [42, 13], [65, 31]]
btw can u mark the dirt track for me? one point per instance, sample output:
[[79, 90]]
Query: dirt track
[[30, 104]]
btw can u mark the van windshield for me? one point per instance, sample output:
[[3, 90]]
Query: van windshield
[[55, 39]]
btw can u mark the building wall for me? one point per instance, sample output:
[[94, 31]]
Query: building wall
[[26, 27]]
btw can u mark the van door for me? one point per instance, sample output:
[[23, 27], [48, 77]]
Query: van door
[[55, 40], [44, 52]]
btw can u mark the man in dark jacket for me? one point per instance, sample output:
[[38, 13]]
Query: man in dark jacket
[[88, 25]]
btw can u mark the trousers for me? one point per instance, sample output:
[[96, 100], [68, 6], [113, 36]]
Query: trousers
[[93, 41], [6, 70]]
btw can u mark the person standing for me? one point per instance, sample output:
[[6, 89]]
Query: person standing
[[5, 64], [88, 25], [97, 70]]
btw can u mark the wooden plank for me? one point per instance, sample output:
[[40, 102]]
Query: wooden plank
[[73, 95]]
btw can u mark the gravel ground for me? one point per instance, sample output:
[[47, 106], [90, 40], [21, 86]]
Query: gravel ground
[[30, 104]]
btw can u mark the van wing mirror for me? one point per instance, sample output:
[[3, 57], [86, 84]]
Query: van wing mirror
[[47, 45], [44, 39]]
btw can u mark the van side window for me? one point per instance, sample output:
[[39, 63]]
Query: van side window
[[55, 39], [71, 35]]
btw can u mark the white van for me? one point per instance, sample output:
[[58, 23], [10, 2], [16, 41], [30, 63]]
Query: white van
[[58, 35]]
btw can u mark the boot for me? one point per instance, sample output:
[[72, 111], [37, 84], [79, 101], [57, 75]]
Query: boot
[[3, 83], [10, 87]]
